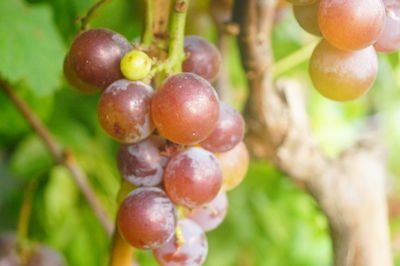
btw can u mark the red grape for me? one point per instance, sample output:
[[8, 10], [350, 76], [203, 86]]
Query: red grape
[[193, 252], [341, 75], [147, 218], [141, 164], [124, 110], [74, 81], [203, 58], [95, 56], [307, 17], [234, 165], [351, 24], [185, 108], [228, 132], [192, 177], [210, 215], [389, 41]]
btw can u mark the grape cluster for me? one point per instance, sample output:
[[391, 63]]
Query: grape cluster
[[344, 64], [182, 149]]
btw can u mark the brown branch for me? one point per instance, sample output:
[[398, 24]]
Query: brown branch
[[61, 156], [349, 189]]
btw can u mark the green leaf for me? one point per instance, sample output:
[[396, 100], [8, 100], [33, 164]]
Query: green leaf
[[30, 48], [31, 158]]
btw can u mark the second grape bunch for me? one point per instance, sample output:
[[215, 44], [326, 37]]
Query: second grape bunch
[[344, 64], [181, 147]]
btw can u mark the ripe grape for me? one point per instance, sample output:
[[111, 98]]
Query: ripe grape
[[389, 41], [192, 177], [307, 17], [210, 215], [135, 65], [74, 81], [302, 2], [147, 218], [203, 58], [185, 108], [228, 132], [141, 164], [192, 252], [234, 165], [341, 75], [351, 24], [124, 111], [95, 56]]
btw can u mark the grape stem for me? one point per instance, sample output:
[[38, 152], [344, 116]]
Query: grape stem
[[25, 213], [147, 36], [292, 60], [176, 53], [62, 156], [90, 14]]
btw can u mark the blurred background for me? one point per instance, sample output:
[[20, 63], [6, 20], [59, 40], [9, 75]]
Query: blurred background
[[270, 221]]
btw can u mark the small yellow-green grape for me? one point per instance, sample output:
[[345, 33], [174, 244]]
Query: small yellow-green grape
[[135, 65]]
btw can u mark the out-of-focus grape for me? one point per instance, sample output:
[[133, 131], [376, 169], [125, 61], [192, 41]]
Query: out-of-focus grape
[[234, 165], [341, 75], [124, 111], [185, 108], [192, 252], [210, 215], [95, 56], [147, 218], [307, 17], [192, 177], [389, 41], [228, 132], [352, 24]]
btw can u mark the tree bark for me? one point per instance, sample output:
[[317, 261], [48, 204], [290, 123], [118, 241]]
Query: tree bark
[[349, 189]]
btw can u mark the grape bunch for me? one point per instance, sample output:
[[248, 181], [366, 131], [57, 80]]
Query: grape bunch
[[182, 149], [344, 64]]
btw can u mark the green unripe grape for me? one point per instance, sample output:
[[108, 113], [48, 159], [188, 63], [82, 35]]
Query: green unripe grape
[[135, 65]]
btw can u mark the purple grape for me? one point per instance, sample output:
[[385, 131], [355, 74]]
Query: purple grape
[[193, 252]]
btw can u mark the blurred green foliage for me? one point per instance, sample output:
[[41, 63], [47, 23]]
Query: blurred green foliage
[[270, 220]]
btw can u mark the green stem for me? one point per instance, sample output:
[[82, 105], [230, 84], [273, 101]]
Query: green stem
[[293, 60], [91, 13], [147, 37], [176, 53], [25, 212]]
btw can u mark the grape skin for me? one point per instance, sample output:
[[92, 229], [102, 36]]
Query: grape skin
[[228, 132], [340, 75], [203, 58], [95, 56], [307, 17], [185, 108], [234, 165], [192, 177], [192, 253], [389, 41], [141, 164], [352, 24], [147, 218], [74, 81], [210, 215], [124, 111]]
